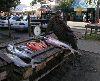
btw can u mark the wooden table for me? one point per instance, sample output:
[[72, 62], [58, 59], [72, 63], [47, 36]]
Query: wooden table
[[92, 26]]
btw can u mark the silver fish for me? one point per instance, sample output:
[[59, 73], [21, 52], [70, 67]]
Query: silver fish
[[25, 48], [21, 53], [57, 43], [17, 61]]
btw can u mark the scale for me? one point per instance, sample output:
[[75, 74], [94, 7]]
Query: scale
[[37, 30]]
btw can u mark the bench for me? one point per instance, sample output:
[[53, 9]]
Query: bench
[[96, 27]]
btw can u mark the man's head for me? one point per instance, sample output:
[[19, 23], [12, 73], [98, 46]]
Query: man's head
[[58, 13]]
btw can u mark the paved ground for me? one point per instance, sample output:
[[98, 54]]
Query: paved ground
[[88, 45]]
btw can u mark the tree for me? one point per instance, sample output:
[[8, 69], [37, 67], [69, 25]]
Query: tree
[[5, 5], [35, 1], [64, 6], [97, 11]]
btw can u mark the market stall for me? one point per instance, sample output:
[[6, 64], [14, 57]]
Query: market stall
[[32, 58]]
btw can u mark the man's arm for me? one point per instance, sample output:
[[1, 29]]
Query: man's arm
[[49, 27]]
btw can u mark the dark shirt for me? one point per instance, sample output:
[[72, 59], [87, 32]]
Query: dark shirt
[[60, 29]]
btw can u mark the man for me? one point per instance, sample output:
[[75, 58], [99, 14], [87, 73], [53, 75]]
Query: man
[[61, 30]]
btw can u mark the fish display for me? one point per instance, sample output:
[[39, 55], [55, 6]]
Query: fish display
[[28, 50], [17, 53]]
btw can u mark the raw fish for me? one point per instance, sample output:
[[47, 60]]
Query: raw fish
[[21, 53]]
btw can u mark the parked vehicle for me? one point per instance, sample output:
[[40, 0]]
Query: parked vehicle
[[21, 23], [4, 20]]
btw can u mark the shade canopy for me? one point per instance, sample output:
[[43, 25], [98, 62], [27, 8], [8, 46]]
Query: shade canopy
[[82, 5], [22, 8]]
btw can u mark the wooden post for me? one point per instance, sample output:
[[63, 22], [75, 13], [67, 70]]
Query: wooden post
[[9, 26], [29, 26], [85, 32], [90, 31]]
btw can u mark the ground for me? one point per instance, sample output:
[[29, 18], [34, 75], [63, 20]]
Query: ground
[[88, 69], [88, 45], [85, 69]]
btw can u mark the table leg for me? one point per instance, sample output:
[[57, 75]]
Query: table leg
[[91, 32], [85, 32], [96, 30]]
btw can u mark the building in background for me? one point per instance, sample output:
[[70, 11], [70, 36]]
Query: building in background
[[81, 8]]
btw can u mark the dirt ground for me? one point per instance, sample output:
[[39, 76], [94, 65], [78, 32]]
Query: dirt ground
[[87, 69]]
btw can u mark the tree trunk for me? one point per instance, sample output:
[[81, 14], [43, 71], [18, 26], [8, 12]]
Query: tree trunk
[[97, 12]]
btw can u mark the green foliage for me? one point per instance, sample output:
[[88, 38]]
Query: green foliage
[[64, 4], [92, 37], [91, 1], [5, 5], [35, 1]]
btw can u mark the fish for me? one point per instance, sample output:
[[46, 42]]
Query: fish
[[36, 61], [17, 61], [20, 63], [36, 46], [21, 53], [57, 43], [25, 48]]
